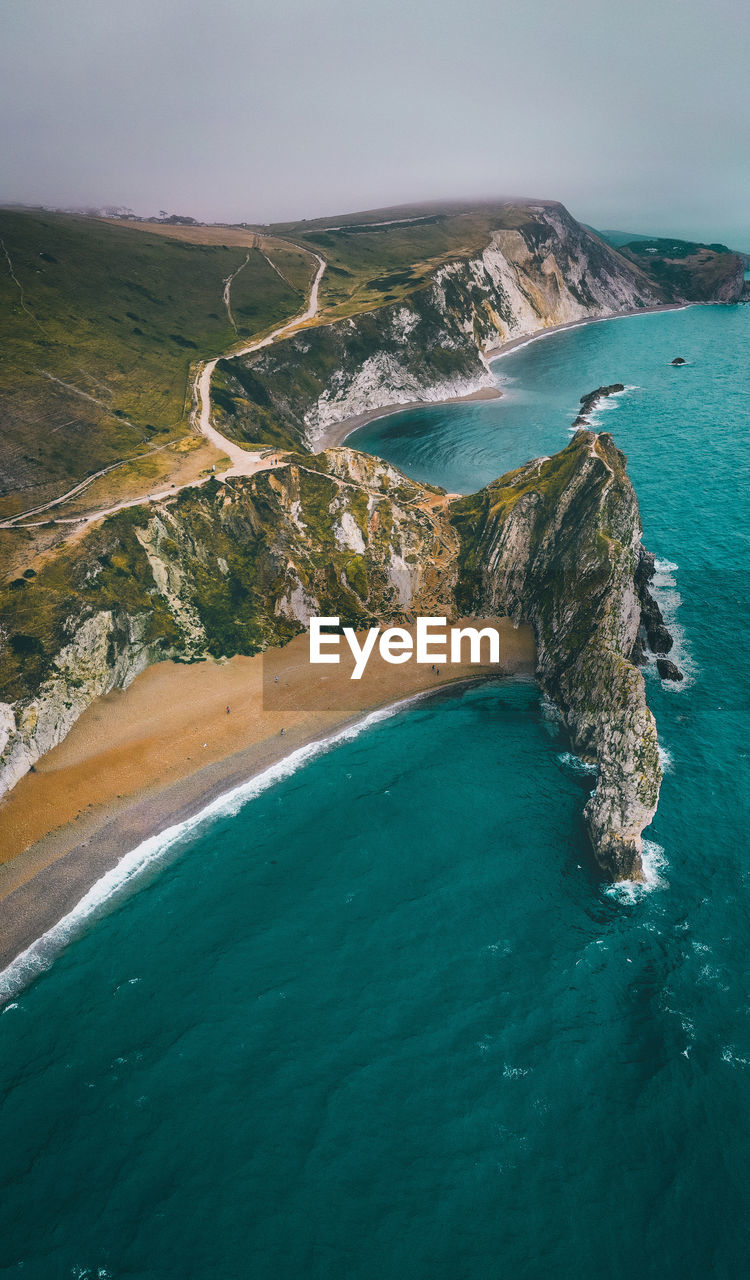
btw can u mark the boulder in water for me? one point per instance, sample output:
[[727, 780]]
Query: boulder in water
[[659, 639], [678, 360], [667, 669]]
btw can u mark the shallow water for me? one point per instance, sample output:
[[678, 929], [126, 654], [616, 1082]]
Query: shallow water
[[387, 1020]]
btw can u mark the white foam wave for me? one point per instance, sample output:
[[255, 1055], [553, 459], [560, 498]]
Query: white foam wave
[[665, 760], [664, 569], [119, 879], [728, 1055], [576, 764], [664, 589], [654, 861]]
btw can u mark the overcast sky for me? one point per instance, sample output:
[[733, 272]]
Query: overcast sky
[[636, 115]]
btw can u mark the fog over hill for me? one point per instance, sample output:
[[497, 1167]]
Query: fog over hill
[[239, 111]]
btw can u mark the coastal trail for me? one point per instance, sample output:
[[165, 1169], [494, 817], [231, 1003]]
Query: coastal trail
[[244, 462]]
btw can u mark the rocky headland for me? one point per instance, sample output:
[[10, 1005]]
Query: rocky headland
[[241, 566]]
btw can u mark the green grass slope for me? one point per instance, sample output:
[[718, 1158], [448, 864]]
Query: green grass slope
[[99, 325], [685, 269], [383, 255]]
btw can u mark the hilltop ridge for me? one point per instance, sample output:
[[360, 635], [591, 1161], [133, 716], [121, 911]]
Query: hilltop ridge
[[106, 321]]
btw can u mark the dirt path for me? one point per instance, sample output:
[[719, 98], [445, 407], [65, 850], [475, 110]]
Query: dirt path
[[227, 291], [244, 462]]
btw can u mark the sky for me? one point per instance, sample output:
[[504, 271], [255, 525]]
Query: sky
[[636, 116]]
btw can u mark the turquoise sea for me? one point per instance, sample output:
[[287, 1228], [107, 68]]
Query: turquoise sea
[[384, 1020]]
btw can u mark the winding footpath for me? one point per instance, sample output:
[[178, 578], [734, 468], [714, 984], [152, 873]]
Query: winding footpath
[[243, 461]]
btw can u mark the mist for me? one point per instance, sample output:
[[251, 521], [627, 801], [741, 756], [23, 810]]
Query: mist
[[636, 118]]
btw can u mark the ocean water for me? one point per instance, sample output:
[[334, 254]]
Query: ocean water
[[386, 1020]]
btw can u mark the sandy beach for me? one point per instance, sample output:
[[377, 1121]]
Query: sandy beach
[[140, 760], [339, 432]]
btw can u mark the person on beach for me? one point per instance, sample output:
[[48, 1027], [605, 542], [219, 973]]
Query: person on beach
[[228, 708]]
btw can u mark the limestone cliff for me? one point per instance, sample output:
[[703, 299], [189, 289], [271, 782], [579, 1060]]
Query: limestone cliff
[[432, 345], [234, 567], [558, 543], [216, 570]]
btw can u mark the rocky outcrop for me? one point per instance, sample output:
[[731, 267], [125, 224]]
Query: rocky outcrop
[[545, 271], [591, 400], [668, 670], [558, 543], [235, 567], [653, 634]]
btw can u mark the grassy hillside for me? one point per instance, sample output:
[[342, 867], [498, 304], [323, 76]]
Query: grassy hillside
[[685, 269], [102, 321], [385, 254], [99, 325]]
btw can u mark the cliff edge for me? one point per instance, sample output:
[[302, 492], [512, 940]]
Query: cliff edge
[[558, 544]]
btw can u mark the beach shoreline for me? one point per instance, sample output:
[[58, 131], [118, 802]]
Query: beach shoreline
[[339, 432], [133, 766]]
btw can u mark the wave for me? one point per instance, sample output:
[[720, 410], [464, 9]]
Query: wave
[[606, 405], [576, 765], [654, 862], [666, 759], [663, 587], [38, 957]]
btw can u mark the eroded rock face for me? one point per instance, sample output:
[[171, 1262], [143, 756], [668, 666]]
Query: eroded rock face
[[106, 651], [558, 543], [234, 568], [214, 571], [668, 670]]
